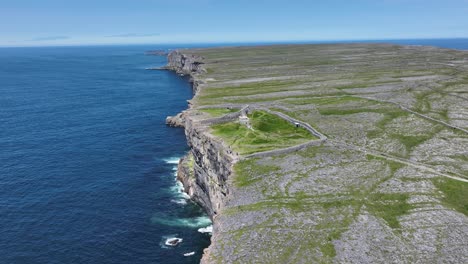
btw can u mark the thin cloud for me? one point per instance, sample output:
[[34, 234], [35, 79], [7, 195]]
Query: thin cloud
[[132, 35], [49, 38]]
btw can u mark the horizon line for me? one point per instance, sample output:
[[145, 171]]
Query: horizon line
[[229, 42]]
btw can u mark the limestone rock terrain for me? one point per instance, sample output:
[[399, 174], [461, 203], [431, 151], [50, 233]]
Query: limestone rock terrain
[[390, 183]]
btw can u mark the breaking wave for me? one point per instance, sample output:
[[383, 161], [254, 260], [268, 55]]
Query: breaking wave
[[196, 222], [208, 229], [172, 160]]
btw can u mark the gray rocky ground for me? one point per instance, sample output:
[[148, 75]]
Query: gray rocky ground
[[390, 183]]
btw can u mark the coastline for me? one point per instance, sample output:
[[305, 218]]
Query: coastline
[[208, 160]]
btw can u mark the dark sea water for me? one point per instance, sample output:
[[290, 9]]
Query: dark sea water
[[86, 163]]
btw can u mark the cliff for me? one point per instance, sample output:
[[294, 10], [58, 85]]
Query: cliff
[[184, 64], [205, 170]]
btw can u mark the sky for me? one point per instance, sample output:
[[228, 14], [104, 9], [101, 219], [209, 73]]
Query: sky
[[96, 22]]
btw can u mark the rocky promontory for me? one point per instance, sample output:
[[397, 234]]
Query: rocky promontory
[[176, 121]]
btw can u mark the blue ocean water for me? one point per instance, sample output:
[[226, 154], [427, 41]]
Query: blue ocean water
[[86, 162]]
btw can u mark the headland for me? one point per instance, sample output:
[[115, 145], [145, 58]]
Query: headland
[[340, 153]]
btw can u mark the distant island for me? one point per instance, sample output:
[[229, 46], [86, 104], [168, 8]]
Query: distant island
[[338, 153]]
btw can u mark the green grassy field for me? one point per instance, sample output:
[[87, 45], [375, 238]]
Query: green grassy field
[[268, 132]]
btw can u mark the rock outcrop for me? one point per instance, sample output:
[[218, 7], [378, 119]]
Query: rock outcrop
[[184, 64], [190, 65], [176, 121]]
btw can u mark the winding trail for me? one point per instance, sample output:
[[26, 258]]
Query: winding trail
[[432, 119], [323, 138], [399, 160], [416, 113]]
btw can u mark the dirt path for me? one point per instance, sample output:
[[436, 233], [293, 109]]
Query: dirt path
[[323, 138], [399, 160], [415, 113]]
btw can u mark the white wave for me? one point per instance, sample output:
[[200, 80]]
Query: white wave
[[196, 222], [208, 229], [172, 160], [173, 241], [189, 254], [164, 239], [181, 197], [178, 189], [185, 195], [180, 201]]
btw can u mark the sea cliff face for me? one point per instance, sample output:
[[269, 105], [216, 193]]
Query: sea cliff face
[[184, 64], [205, 170]]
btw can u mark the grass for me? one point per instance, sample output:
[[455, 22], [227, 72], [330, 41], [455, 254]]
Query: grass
[[248, 172], [191, 164], [423, 105], [268, 132], [389, 206], [387, 118], [328, 249], [411, 141], [455, 193], [326, 100], [268, 98], [367, 106], [216, 112], [249, 88], [444, 114], [342, 111]]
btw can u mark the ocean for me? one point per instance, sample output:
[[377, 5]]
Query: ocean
[[87, 165]]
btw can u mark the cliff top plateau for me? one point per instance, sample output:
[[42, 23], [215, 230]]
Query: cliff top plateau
[[343, 153]]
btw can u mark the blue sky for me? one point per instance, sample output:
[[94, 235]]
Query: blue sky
[[61, 22]]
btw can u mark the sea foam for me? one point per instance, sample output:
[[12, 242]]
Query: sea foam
[[208, 229], [164, 239], [172, 160], [195, 222]]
